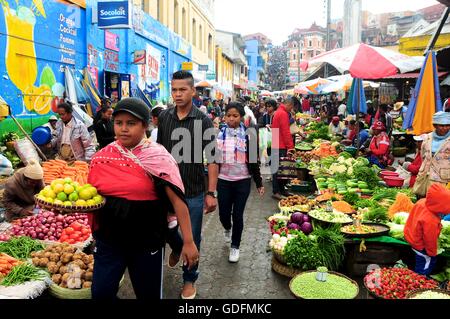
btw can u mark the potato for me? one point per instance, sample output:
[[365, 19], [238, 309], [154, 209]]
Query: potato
[[57, 278], [40, 254], [52, 267], [77, 256], [47, 254], [91, 267], [36, 261], [63, 270], [80, 264], [66, 258], [63, 284], [65, 277], [43, 262], [33, 254], [54, 257], [86, 259], [87, 284], [88, 275], [69, 249]]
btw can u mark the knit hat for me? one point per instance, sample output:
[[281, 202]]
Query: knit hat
[[441, 118], [33, 171], [379, 126]]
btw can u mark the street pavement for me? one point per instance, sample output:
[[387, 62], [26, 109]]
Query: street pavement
[[252, 277]]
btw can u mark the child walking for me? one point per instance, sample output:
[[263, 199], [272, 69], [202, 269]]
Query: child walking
[[236, 172]]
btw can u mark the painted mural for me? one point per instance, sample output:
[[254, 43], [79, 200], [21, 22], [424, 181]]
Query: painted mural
[[37, 40]]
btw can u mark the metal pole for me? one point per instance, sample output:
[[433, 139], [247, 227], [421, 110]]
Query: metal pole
[[436, 34], [299, 60], [358, 140], [328, 34]]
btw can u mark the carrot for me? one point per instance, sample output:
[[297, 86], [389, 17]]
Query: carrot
[[343, 207]]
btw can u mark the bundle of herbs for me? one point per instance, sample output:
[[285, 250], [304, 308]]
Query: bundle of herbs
[[324, 247]]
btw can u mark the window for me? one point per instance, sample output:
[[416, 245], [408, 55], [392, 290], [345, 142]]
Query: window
[[210, 47], [294, 56], [176, 26], [310, 43], [295, 45], [301, 56], [194, 32], [200, 38], [184, 23]]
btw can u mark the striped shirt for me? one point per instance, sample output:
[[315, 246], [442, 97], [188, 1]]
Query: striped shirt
[[191, 165]]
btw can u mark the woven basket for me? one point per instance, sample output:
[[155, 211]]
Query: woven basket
[[284, 270], [329, 272], [68, 209], [414, 293], [65, 293], [280, 258]]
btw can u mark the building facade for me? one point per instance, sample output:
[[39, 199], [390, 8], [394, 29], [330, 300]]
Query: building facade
[[232, 47], [37, 49], [256, 52], [193, 20], [303, 45]]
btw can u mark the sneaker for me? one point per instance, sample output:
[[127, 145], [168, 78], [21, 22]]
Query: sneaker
[[227, 235], [189, 292], [234, 255]]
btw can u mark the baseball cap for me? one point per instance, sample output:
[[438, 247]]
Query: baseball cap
[[135, 107], [52, 118]]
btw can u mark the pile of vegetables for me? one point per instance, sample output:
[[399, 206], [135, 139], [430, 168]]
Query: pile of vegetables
[[56, 169], [47, 225], [13, 158], [69, 268], [317, 130], [291, 224], [325, 149], [330, 217], [278, 243], [397, 226], [323, 247], [6, 264], [300, 222], [444, 275], [20, 247], [22, 273], [336, 287], [75, 233], [430, 294], [295, 200], [402, 204], [444, 237], [4, 237], [396, 283]]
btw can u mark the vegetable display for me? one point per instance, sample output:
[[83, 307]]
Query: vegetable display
[[336, 287], [295, 200], [59, 169], [47, 225], [22, 273], [431, 294], [323, 247], [75, 233], [20, 247], [6, 264], [330, 217], [402, 204], [68, 268], [444, 237], [362, 229], [396, 283]]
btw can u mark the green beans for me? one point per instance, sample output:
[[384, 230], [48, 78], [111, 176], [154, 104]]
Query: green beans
[[336, 287], [20, 247], [22, 273]]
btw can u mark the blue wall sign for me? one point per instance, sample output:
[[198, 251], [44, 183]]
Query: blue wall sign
[[113, 14]]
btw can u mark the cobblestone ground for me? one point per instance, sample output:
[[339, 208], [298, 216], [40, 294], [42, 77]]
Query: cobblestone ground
[[252, 277]]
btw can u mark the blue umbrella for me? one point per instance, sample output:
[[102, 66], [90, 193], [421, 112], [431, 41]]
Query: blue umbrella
[[357, 99]]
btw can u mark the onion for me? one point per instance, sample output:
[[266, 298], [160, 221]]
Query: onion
[[52, 238], [59, 223], [45, 237], [33, 234], [21, 233], [50, 220], [27, 224], [41, 236], [60, 218], [43, 220], [45, 214]]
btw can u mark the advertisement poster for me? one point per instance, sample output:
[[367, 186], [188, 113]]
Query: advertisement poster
[[149, 73], [111, 41], [38, 39]]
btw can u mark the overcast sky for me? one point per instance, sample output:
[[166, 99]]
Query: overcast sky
[[278, 18]]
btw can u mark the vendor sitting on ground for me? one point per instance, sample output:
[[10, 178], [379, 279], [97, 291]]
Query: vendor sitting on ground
[[363, 136], [350, 134], [414, 166], [378, 152], [336, 127], [20, 189], [424, 226]]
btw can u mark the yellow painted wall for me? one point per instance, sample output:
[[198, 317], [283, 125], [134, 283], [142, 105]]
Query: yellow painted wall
[[202, 49], [416, 46], [224, 67]]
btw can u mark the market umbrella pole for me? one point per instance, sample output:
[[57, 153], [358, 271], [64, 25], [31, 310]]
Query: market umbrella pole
[[358, 140], [26, 135]]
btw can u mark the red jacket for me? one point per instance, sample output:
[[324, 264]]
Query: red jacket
[[414, 168], [424, 226], [282, 140], [306, 105]]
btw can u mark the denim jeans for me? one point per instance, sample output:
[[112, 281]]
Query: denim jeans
[[144, 267], [232, 197], [196, 206], [278, 185], [375, 161]]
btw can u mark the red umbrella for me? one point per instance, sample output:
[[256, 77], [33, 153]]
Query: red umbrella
[[367, 62]]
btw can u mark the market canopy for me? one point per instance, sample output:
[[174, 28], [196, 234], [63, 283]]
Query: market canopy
[[426, 99], [266, 93], [344, 83], [314, 86], [368, 62], [204, 84]]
